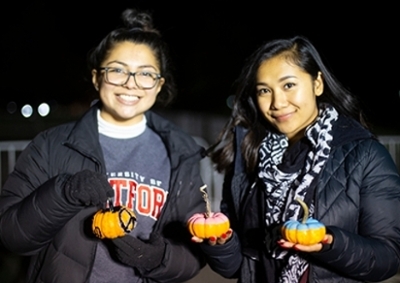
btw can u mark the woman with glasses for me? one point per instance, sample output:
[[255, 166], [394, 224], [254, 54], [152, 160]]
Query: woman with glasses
[[297, 134], [119, 151]]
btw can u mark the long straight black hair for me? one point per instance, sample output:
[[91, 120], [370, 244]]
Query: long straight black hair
[[299, 51]]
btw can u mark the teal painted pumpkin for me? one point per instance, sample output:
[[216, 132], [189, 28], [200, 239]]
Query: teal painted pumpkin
[[307, 232]]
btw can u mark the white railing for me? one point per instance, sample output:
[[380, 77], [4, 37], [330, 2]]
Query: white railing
[[9, 151], [392, 143]]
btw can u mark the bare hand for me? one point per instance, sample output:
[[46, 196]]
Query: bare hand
[[328, 239], [212, 241]]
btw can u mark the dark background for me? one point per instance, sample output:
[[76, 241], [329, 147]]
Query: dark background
[[44, 46]]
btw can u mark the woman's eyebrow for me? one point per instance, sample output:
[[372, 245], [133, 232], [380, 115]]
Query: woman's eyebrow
[[280, 80], [147, 66], [118, 62], [126, 65], [287, 77]]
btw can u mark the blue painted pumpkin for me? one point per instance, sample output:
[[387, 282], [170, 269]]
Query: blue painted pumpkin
[[307, 232]]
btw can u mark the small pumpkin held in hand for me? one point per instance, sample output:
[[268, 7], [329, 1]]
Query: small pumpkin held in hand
[[113, 222], [307, 232], [208, 224]]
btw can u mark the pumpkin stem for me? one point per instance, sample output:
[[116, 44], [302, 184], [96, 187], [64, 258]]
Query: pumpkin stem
[[205, 197], [305, 208], [110, 204]]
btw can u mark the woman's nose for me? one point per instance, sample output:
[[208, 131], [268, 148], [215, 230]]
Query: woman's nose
[[279, 100], [131, 82]]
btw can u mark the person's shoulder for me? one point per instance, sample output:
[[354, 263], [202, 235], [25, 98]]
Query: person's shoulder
[[354, 144], [64, 131], [55, 132], [347, 130], [169, 131], [162, 125], [363, 150]]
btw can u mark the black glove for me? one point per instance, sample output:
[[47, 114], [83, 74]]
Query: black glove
[[88, 188], [141, 255]]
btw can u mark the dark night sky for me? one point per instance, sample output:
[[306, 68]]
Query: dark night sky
[[44, 46]]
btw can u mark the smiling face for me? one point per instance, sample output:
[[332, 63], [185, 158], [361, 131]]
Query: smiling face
[[286, 96], [126, 104]]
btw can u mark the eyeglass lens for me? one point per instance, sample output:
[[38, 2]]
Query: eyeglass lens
[[142, 79]]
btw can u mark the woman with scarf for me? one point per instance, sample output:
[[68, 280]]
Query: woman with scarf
[[296, 133]]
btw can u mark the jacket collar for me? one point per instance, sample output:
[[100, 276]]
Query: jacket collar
[[179, 144], [84, 137], [347, 129]]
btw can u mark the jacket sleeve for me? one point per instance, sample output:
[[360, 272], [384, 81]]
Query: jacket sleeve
[[183, 259], [226, 259], [181, 262], [32, 205], [373, 252]]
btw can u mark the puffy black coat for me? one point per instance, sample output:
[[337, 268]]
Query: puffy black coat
[[36, 220], [357, 198]]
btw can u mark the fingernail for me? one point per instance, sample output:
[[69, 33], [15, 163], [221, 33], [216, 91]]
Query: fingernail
[[229, 232], [223, 236], [212, 239]]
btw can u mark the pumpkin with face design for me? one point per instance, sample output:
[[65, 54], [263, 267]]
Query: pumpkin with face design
[[113, 222]]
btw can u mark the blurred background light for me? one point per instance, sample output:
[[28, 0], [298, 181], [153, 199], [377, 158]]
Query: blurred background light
[[11, 107], [229, 101], [44, 109], [27, 111]]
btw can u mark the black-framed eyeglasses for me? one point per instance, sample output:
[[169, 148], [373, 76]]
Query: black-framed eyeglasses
[[120, 76]]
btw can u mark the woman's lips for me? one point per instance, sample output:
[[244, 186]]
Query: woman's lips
[[127, 99], [283, 117]]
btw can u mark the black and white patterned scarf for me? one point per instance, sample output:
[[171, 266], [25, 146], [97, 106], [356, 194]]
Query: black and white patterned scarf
[[283, 187]]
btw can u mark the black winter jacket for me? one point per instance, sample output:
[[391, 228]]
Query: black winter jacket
[[36, 220], [357, 197]]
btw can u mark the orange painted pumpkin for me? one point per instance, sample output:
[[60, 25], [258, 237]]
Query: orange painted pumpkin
[[208, 224], [113, 222], [204, 227], [307, 232]]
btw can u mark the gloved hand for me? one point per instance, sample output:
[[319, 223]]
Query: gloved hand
[[139, 254], [88, 188]]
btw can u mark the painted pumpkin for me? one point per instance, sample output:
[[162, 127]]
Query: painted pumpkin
[[208, 224], [307, 232], [113, 222], [205, 226]]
